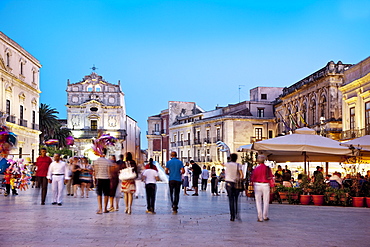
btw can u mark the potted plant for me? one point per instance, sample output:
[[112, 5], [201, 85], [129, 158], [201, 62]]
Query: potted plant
[[318, 190], [293, 195], [357, 193], [283, 192], [304, 185]]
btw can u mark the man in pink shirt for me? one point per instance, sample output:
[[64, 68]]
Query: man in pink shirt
[[42, 163], [261, 178]]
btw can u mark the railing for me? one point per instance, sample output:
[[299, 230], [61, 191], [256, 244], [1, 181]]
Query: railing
[[207, 140], [196, 141], [216, 139], [23, 122], [354, 133], [173, 144], [11, 119], [154, 132], [180, 143], [88, 133], [35, 126], [187, 142]]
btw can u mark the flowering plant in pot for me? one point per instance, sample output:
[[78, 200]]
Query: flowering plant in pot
[[318, 188], [304, 185]]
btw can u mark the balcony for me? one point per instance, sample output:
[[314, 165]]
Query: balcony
[[187, 142], [355, 133], [173, 144], [22, 122], [154, 132], [89, 134], [207, 140], [11, 119], [180, 143], [35, 126], [216, 139], [196, 141]]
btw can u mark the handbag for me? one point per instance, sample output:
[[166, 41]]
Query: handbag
[[127, 173], [239, 182]]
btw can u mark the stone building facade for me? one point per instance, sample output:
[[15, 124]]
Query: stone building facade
[[193, 132], [314, 101], [94, 104], [157, 135], [356, 100], [19, 96]]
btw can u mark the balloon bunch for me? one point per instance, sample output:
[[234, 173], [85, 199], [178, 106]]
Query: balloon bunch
[[70, 140], [19, 174], [103, 141], [51, 142], [8, 140]]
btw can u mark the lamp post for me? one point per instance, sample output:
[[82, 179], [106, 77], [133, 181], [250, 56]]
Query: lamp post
[[162, 136]]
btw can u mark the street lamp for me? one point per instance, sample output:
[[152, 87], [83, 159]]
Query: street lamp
[[162, 135]]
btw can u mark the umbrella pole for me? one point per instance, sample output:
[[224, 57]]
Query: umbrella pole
[[305, 159]]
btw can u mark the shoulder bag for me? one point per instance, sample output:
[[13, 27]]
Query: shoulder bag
[[239, 182], [127, 173]]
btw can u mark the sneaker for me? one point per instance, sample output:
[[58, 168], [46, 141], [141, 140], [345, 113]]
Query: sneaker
[[59, 204], [43, 203], [54, 203], [196, 194], [266, 219]]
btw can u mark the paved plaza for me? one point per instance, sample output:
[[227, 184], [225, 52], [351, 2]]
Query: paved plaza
[[201, 221]]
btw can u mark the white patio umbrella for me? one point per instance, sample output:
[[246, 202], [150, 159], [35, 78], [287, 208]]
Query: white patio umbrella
[[245, 148], [362, 143], [302, 148]]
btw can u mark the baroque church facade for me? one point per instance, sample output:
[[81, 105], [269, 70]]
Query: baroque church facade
[[94, 105]]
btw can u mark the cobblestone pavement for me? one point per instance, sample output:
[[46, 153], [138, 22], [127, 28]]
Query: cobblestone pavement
[[201, 221]]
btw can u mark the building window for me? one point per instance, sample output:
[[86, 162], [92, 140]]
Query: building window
[[21, 68], [94, 124], [218, 134], [323, 107], [20, 152], [174, 138], [198, 136], [198, 154], [97, 89], [208, 135], [8, 107], [8, 59], [156, 127], [258, 134], [189, 155], [270, 134], [260, 112], [189, 138], [367, 118], [33, 117], [263, 96], [89, 88], [352, 118], [33, 76], [313, 111], [21, 112]]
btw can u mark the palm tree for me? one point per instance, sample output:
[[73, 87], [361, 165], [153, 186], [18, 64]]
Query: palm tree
[[61, 134], [48, 122]]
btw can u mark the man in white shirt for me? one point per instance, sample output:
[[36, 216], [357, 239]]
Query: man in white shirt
[[57, 176], [204, 176], [150, 177]]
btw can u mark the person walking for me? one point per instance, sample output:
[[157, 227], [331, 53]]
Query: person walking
[[57, 176], [261, 178], [114, 182], [185, 180], [221, 177], [204, 176], [196, 173], [42, 163], [128, 186], [85, 177], [214, 182], [174, 168], [233, 172], [150, 177], [101, 174]]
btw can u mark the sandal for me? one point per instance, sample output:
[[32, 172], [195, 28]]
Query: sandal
[[98, 212]]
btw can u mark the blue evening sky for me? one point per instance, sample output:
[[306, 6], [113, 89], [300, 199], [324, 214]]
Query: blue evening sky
[[199, 51]]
